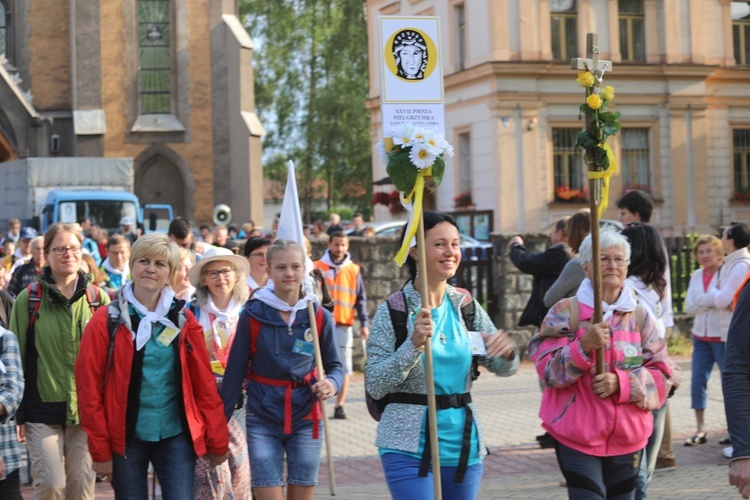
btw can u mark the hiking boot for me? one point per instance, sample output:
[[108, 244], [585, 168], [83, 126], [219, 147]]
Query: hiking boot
[[339, 413]]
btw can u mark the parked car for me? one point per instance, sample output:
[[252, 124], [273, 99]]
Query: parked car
[[471, 248]]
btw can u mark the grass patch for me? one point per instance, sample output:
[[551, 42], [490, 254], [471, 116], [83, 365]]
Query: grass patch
[[680, 345]]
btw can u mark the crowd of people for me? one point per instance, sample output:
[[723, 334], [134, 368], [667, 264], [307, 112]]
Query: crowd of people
[[193, 353]]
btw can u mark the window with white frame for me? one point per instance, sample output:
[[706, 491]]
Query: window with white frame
[[632, 19], [741, 161], [154, 57], [741, 32], [4, 31], [564, 33], [567, 165], [459, 14], [635, 159], [464, 163]]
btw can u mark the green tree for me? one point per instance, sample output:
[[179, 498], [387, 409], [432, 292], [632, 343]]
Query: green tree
[[311, 84]]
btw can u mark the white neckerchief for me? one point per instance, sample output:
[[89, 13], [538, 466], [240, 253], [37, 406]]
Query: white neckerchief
[[149, 317], [329, 261], [228, 317], [251, 283], [626, 302], [187, 294], [108, 267], [2, 365], [269, 298]]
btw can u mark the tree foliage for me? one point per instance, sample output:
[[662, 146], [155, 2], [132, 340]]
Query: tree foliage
[[311, 82]]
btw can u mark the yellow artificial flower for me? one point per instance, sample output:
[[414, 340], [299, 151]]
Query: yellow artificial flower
[[608, 93], [585, 79], [594, 101]]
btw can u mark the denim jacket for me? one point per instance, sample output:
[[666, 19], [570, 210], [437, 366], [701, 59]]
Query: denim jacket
[[389, 370]]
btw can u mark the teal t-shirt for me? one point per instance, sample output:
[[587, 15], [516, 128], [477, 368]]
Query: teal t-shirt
[[159, 410], [451, 356]]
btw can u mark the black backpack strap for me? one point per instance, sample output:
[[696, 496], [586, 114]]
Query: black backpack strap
[[469, 313], [399, 316], [113, 322]]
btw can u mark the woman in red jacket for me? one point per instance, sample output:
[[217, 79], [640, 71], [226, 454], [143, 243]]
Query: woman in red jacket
[[151, 397]]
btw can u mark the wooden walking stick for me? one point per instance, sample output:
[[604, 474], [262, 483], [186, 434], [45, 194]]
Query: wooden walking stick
[[598, 158], [429, 373], [321, 372]]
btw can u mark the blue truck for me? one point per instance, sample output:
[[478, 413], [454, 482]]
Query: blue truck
[[42, 191]]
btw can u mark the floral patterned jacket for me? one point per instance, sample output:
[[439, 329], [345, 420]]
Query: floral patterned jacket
[[389, 370]]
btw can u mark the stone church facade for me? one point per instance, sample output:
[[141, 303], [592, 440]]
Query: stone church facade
[[682, 80], [168, 83]]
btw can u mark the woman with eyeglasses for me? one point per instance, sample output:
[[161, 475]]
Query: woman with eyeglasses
[[63, 301], [145, 388], [601, 423], [255, 253], [220, 292]]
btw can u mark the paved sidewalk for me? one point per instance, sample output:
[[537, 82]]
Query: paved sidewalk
[[517, 468]]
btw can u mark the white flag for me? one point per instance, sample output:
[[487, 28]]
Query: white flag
[[290, 223]]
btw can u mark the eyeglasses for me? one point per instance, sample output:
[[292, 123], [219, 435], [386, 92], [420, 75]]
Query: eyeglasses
[[226, 272], [615, 261], [258, 255], [60, 251]]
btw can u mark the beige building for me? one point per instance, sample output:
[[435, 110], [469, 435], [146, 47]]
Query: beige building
[[168, 83], [682, 80]]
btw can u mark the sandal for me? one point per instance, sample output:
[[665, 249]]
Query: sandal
[[700, 438], [725, 440]]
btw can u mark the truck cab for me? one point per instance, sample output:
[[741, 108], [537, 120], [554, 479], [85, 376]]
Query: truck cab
[[105, 208]]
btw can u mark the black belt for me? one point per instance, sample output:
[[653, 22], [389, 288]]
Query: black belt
[[443, 402]]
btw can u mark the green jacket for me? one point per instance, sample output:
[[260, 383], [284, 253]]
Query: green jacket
[[50, 394]]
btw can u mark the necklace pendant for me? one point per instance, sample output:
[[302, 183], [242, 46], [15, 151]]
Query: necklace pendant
[[443, 338]]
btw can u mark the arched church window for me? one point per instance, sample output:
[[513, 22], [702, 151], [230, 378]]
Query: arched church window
[[154, 57]]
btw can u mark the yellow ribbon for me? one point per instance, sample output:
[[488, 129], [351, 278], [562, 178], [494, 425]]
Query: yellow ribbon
[[416, 209], [605, 175]]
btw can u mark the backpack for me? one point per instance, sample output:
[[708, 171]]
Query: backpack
[[397, 310]]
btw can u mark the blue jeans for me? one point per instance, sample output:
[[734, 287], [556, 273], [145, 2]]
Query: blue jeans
[[705, 354], [174, 464], [595, 478], [651, 452], [402, 475], [267, 445]]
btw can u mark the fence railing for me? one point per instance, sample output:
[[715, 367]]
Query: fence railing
[[682, 265], [475, 275]]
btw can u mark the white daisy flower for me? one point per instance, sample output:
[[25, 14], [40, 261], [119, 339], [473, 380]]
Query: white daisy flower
[[421, 157], [421, 135], [402, 134]]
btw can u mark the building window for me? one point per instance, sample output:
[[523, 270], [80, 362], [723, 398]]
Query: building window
[[568, 168], [632, 30], [636, 171], [563, 25], [4, 18], [154, 57], [459, 14], [741, 32], [741, 154], [464, 163]]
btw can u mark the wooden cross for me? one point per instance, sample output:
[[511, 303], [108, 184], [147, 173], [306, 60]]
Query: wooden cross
[[597, 68]]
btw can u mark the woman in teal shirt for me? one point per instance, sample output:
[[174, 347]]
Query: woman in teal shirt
[[399, 373]]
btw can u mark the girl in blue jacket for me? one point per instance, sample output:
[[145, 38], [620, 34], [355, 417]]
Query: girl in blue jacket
[[284, 391]]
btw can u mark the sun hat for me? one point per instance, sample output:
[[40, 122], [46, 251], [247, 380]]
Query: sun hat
[[214, 254]]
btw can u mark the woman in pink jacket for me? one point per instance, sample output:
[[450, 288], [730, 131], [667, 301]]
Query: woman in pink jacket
[[601, 423]]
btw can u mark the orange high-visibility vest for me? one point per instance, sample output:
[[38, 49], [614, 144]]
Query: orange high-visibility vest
[[739, 291], [343, 288]]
